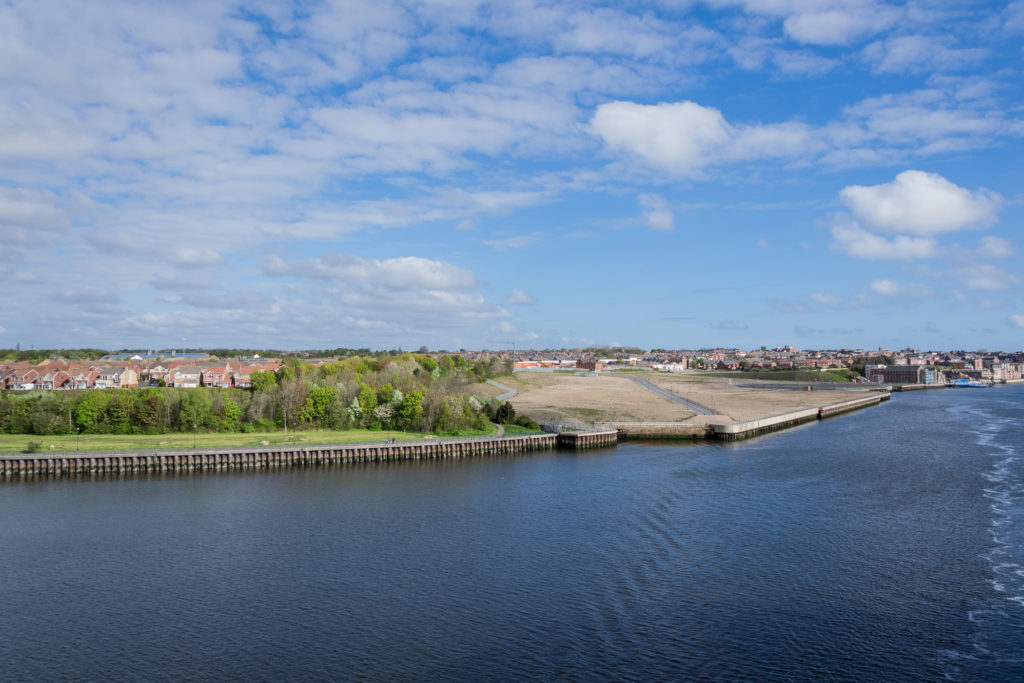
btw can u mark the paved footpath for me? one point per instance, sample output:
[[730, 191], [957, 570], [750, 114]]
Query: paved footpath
[[509, 391], [675, 398]]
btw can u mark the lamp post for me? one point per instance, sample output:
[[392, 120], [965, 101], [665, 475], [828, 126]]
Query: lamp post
[[195, 433], [78, 437]]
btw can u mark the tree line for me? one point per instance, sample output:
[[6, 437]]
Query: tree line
[[409, 392]]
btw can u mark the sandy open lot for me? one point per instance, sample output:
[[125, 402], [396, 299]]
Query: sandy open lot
[[615, 397]]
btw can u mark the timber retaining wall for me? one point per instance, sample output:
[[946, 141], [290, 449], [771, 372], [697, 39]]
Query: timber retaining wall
[[31, 465]]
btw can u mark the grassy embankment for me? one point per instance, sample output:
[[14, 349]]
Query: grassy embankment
[[65, 443]]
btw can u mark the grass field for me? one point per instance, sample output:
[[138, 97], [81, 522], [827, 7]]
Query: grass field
[[18, 443]]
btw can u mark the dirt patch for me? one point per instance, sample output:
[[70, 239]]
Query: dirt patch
[[616, 398], [604, 398]]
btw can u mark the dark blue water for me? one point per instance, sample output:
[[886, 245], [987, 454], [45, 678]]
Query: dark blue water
[[883, 545]]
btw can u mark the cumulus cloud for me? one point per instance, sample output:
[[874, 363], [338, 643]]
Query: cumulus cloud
[[683, 136], [985, 277], [889, 288], [658, 215], [885, 287], [514, 242], [23, 208], [837, 26], [189, 257], [918, 53], [520, 298], [920, 203], [826, 299], [824, 22], [995, 248], [686, 137], [406, 272], [1017, 320], [859, 243]]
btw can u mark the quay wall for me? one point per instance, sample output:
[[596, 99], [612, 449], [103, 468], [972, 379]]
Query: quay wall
[[662, 430], [584, 440], [743, 430], [774, 423], [38, 465]]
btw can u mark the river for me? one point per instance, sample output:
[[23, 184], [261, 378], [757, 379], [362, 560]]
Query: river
[[887, 544]]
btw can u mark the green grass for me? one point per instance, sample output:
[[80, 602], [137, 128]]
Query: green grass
[[781, 375], [17, 443], [519, 429]]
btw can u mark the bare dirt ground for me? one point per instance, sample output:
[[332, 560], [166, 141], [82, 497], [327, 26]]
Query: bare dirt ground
[[616, 398], [605, 398]]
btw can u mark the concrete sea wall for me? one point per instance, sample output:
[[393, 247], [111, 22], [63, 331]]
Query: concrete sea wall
[[744, 430], [774, 423]]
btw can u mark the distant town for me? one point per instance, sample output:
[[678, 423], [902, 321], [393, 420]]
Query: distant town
[[63, 370]]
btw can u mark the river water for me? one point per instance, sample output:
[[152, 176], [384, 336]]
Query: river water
[[887, 544]]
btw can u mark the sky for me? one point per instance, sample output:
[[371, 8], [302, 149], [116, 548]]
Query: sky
[[470, 174]]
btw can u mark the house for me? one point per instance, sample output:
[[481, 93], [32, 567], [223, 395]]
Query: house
[[218, 376], [242, 377], [185, 376], [158, 372]]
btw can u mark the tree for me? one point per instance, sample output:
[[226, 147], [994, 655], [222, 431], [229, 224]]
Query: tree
[[317, 404], [89, 409], [195, 409], [231, 415], [367, 401], [263, 380], [411, 410]]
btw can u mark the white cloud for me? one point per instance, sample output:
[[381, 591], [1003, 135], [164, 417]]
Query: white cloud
[[190, 257], [859, 243], [520, 298], [823, 22], [826, 299], [837, 26], [682, 136], [515, 242], [995, 247], [685, 137], [918, 53], [731, 325], [406, 272], [889, 288], [921, 204], [985, 277], [885, 287], [659, 214], [1017, 320]]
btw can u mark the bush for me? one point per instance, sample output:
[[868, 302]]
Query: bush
[[524, 421], [34, 447]]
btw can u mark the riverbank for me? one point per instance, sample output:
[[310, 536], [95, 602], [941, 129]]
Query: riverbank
[[61, 444]]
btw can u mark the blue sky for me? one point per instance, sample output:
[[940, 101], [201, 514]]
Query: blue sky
[[461, 174]]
